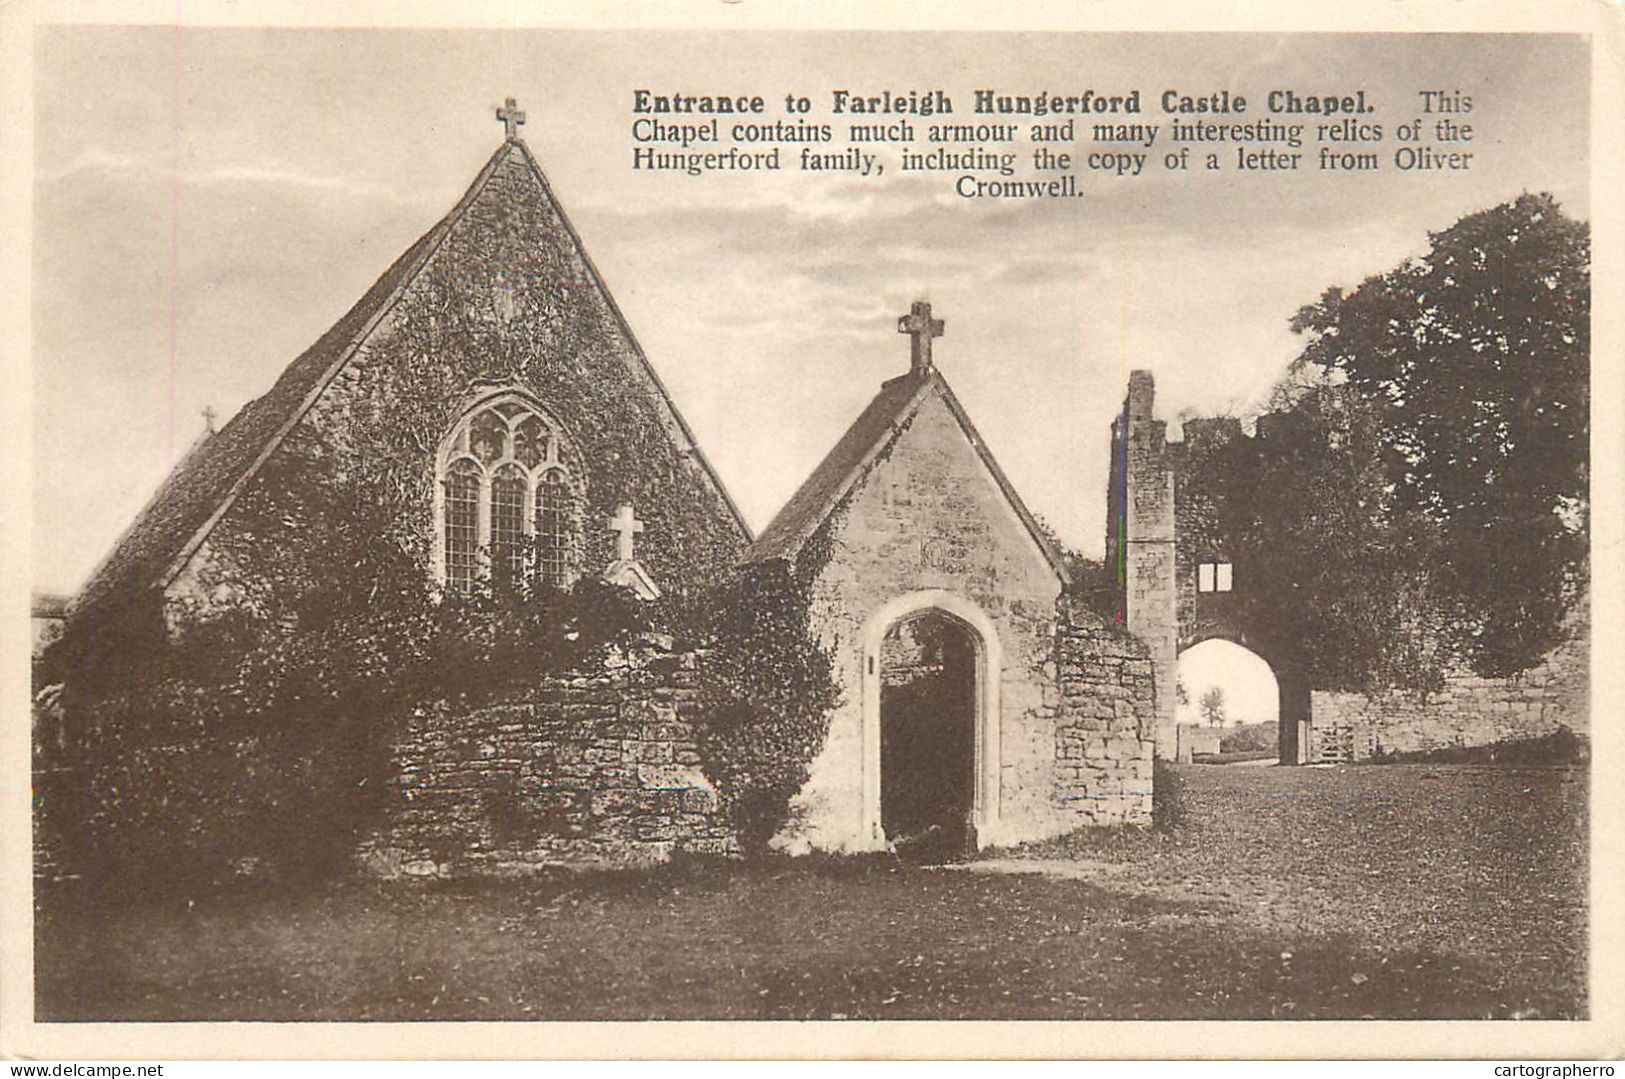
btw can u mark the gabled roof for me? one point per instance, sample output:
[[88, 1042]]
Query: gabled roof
[[852, 457], [204, 484]]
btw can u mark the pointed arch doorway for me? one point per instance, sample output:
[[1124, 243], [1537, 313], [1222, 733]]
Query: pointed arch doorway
[[931, 707]]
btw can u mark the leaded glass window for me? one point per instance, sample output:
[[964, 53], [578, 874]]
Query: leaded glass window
[[511, 485], [555, 515], [508, 525], [462, 494]]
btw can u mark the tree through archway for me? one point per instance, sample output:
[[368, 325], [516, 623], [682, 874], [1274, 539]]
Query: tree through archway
[[1225, 685]]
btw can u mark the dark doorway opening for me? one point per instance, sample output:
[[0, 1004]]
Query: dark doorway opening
[[928, 736]]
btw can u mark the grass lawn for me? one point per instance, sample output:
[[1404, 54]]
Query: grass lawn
[[1423, 891]]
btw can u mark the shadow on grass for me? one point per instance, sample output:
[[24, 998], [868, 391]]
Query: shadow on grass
[[824, 938], [1167, 935]]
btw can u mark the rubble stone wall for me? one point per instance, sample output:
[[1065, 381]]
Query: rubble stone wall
[[1469, 711], [591, 770], [1105, 723]]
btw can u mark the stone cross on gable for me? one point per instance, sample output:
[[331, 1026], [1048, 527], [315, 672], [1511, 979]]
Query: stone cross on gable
[[208, 418], [626, 524], [511, 118], [919, 324]]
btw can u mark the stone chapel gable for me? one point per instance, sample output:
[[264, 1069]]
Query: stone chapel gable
[[488, 391], [977, 707]]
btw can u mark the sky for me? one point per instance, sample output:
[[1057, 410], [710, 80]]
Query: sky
[[208, 201], [1251, 694]]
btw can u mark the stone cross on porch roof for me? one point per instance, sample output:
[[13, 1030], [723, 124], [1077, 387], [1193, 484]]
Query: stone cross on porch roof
[[626, 524], [511, 118], [919, 324]]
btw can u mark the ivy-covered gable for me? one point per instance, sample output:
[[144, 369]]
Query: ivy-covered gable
[[499, 298]]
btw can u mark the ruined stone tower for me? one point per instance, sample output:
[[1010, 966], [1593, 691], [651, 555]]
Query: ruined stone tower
[[1140, 542]]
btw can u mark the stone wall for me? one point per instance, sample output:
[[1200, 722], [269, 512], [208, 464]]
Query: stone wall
[[596, 770], [1104, 723], [1194, 739], [1469, 711]]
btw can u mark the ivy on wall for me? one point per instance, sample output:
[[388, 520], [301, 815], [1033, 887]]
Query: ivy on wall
[[767, 691], [257, 733]]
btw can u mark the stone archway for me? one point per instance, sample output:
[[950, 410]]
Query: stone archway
[[968, 644], [1228, 699], [1291, 688]]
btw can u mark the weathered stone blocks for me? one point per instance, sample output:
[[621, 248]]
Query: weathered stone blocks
[[1103, 732], [584, 770]]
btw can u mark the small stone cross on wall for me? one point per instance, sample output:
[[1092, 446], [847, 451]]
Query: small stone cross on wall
[[626, 524], [511, 118], [919, 324]]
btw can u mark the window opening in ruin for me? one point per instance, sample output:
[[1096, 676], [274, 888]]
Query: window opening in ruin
[[1214, 577]]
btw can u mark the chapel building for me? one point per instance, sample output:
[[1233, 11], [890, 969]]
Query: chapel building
[[487, 408], [982, 704]]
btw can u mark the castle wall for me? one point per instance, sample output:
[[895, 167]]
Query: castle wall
[[1105, 719], [1140, 545], [1469, 711]]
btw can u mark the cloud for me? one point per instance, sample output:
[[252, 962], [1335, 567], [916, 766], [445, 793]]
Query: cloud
[[279, 176], [94, 161]]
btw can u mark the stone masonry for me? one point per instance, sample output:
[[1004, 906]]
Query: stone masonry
[[1140, 543], [1103, 723], [1468, 711], [591, 770], [1195, 738], [1164, 519], [928, 518], [1065, 699]]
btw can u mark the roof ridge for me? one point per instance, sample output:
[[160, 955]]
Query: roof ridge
[[823, 491], [648, 368], [146, 507], [200, 489], [824, 487], [407, 265]]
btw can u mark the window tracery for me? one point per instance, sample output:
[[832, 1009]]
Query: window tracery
[[508, 497]]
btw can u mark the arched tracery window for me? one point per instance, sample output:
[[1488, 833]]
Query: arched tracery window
[[508, 523], [509, 496]]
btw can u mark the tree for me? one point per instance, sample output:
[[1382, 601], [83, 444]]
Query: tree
[[1212, 705], [1342, 587], [1476, 358]]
